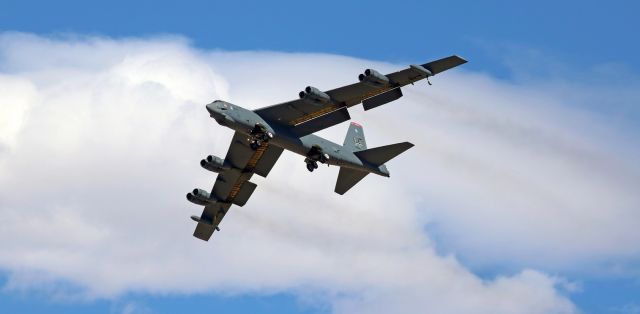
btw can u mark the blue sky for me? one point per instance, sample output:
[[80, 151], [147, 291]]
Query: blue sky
[[577, 43], [584, 33]]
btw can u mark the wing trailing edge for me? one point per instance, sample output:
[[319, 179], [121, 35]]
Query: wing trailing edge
[[322, 122]]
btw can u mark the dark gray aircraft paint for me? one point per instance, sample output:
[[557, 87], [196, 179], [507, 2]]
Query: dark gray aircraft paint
[[263, 134]]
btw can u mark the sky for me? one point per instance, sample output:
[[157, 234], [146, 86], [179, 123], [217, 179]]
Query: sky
[[519, 197]]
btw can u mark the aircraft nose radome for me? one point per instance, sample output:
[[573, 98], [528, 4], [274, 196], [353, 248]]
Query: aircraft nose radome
[[211, 108]]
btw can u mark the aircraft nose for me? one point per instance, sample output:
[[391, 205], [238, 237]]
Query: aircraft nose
[[212, 109], [216, 113]]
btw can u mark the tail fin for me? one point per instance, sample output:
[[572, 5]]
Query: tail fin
[[354, 140], [376, 157]]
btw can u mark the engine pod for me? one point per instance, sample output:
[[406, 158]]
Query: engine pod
[[315, 95], [373, 78], [201, 197], [214, 164]]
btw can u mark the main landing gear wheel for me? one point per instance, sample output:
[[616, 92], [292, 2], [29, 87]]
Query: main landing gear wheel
[[314, 156], [255, 145], [312, 165]]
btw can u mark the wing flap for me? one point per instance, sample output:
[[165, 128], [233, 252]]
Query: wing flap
[[353, 94], [268, 160], [321, 123], [291, 113], [245, 193], [224, 183], [382, 99]]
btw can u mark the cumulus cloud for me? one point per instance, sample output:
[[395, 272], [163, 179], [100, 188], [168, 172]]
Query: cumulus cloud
[[100, 139]]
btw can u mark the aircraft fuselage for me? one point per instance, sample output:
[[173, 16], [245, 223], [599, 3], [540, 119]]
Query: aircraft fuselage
[[244, 121]]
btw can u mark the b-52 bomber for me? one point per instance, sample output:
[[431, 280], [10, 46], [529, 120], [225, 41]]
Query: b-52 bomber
[[262, 135]]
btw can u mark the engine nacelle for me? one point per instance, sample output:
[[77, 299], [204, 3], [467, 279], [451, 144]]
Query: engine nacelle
[[200, 197], [315, 95], [215, 164], [373, 78]]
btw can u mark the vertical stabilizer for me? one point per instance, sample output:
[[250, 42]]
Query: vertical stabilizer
[[354, 140], [373, 158]]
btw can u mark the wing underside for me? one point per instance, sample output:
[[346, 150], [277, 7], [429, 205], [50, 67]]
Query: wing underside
[[296, 112], [233, 186]]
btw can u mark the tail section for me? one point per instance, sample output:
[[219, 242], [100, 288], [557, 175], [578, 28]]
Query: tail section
[[375, 157], [347, 178]]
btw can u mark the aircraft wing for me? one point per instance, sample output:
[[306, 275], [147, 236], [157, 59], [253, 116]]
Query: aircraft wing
[[299, 111], [232, 186]]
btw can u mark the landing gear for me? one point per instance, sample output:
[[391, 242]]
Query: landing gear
[[259, 135], [311, 164], [314, 156], [255, 144]]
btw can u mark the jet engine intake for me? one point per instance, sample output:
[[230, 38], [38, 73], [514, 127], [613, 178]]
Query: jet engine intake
[[214, 164], [200, 197], [373, 78], [315, 95]]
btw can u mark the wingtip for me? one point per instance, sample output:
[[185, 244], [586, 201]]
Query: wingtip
[[356, 124], [462, 60]]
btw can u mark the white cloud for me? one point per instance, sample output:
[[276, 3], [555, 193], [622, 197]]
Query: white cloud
[[102, 140]]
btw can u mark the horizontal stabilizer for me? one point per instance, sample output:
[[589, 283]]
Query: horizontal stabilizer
[[347, 178], [322, 122], [379, 155]]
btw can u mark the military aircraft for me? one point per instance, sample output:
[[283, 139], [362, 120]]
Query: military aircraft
[[262, 135]]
